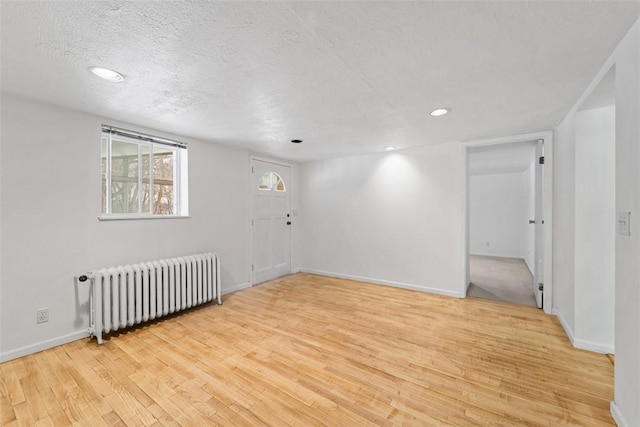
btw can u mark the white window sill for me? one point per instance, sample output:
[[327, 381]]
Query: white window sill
[[135, 217]]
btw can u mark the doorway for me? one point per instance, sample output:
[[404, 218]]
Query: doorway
[[507, 214], [270, 220]]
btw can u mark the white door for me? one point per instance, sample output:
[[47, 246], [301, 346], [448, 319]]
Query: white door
[[538, 273], [271, 220]]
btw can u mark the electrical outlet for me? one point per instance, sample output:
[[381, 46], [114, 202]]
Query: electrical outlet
[[42, 315]]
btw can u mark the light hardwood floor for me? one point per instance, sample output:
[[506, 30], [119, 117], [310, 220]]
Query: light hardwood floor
[[310, 350]]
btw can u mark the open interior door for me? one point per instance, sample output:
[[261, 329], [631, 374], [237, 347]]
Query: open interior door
[[538, 274]]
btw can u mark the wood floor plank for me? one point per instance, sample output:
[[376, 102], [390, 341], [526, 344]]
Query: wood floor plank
[[11, 384], [7, 413], [313, 350]]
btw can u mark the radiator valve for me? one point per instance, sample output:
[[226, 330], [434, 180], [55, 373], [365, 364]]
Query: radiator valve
[[85, 277]]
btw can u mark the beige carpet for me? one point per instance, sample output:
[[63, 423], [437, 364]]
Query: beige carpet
[[501, 279]]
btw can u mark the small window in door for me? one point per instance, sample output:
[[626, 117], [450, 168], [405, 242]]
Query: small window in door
[[271, 181]]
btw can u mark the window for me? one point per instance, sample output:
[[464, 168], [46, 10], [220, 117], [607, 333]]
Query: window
[[142, 176], [271, 181]]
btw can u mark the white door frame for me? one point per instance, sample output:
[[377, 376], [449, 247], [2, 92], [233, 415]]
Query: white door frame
[[547, 206], [279, 162]]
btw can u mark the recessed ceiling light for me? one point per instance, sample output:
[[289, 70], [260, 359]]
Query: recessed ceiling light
[[107, 74], [296, 141], [389, 148], [440, 111]]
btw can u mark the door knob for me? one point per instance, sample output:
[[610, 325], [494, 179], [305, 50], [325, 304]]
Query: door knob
[[532, 221], [288, 222]]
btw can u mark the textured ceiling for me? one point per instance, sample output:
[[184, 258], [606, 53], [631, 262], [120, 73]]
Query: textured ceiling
[[347, 77]]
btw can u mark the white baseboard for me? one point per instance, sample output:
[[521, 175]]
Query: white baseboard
[[235, 288], [43, 345], [497, 255], [620, 420], [593, 346], [580, 343], [565, 325], [384, 282]]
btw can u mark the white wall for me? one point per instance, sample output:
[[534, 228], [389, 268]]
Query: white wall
[[564, 230], [393, 218], [499, 214], [595, 229], [1, 234], [627, 298], [626, 59], [50, 232]]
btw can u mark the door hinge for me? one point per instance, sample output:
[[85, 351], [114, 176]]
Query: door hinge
[[541, 287], [541, 160], [252, 223], [251, 169], [251, 267]]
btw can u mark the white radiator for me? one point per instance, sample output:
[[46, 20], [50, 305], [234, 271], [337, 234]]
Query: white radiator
[[131, 294]]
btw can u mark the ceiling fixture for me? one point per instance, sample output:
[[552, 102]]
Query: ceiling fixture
[[296, 141], [107, 74], [440, 111], [389, 148]]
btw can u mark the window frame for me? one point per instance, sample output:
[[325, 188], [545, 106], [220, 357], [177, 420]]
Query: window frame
[[143, 141]]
